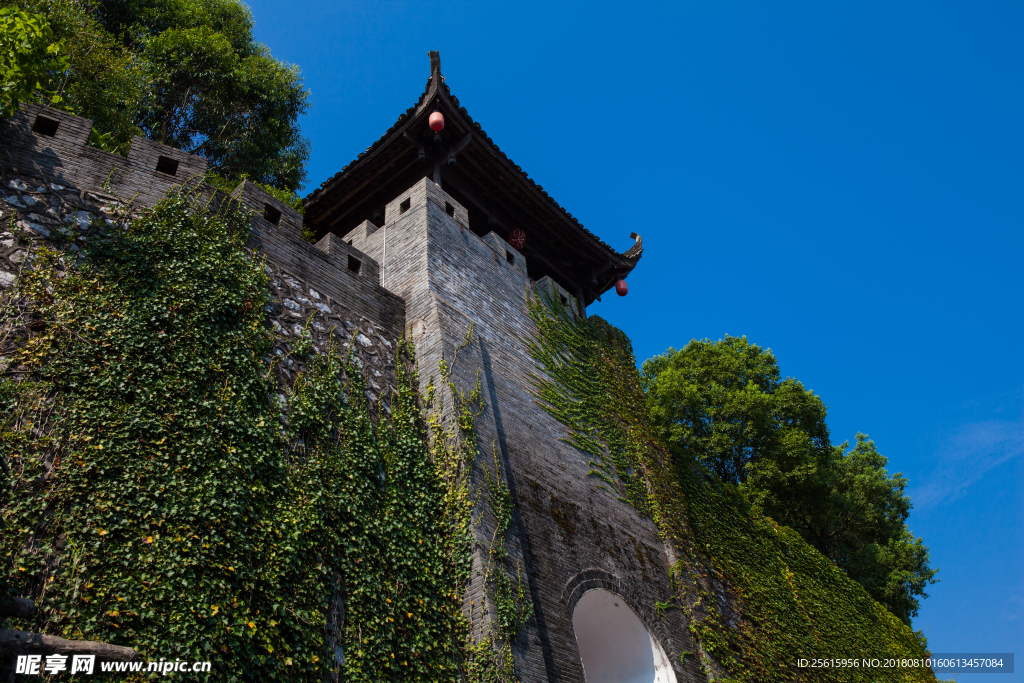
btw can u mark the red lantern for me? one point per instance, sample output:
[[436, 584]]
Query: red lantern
[[517, 238], [621, 288], [436, 122]]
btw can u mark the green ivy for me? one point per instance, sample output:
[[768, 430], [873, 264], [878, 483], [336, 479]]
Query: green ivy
[[151, 506], [399, 588], [162, 496], [756, 595], [512, 607], [484, 639], [29, 60]]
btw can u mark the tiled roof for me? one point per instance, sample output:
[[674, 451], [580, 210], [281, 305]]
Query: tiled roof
[[633, 253]]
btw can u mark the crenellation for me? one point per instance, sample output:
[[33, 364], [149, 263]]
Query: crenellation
[[144, 158], [352, 260], [555, 291], [366, 238], [288, 220], [504, 250], [70, 129]]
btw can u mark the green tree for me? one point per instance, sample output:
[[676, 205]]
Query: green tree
[[187, 73], [865, 533], [214, 90], [722, 404], [100, 79], [104, 82], [238, 112], [29, 56]]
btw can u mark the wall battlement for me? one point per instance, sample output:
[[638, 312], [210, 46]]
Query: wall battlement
[[64, 157]]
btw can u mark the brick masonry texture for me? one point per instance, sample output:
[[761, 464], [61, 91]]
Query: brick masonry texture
[[566, 528], [423, 275]]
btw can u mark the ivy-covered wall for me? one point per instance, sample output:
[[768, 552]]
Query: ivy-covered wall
[[186, 478], [206, 456], [758, 597]]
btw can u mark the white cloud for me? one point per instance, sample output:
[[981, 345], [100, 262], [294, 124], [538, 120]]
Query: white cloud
[[966, 456]]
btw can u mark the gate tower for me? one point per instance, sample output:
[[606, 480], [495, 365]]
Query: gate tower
[[440, 213]]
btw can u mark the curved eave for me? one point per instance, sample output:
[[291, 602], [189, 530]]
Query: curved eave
[[437, 93]]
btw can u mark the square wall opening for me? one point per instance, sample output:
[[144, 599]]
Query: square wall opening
[[167, 165], [271, 214], [45, 126]]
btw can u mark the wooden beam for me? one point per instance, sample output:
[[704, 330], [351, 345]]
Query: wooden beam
[[462, 145], [372, 174], [330, 221], [556, 270], [479, 172]]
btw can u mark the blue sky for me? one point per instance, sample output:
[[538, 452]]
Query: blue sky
[[841, 182]]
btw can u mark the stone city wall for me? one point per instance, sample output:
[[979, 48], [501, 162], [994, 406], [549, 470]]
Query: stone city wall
[[57, 191], [426, 275]]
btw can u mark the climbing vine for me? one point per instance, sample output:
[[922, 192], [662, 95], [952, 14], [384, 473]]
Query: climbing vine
[[512, 608], [397, 585], [157, 492], [150, 505], [757, 596], [574, 396], [484, 639]]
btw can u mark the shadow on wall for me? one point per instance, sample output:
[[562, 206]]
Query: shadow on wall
[[614, 645]]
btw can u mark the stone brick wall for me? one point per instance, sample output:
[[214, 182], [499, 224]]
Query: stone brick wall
[[325, 266], [36, 212], [556, 292], [566, 529], [65, 159], [425, 275]]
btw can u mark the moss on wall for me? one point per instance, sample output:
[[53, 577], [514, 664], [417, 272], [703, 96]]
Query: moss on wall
[[757, 596]]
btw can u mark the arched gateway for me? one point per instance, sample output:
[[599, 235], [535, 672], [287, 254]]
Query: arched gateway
[[614, 644]]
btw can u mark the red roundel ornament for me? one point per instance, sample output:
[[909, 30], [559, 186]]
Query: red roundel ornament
[[621, 288], [436, 122], [517, 238]]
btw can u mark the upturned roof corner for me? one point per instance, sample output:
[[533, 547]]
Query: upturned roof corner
[[499, 195]]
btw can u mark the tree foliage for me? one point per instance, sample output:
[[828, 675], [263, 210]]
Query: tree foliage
[[864, 530], [187, 73], [757, 596], [28, 57], [723, 404]]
